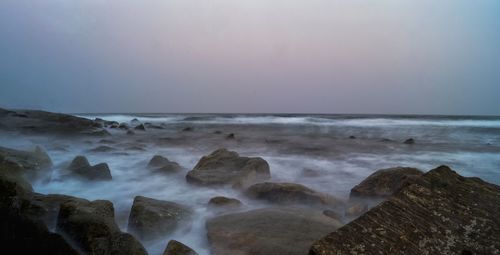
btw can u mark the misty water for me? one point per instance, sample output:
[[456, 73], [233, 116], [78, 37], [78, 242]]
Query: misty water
[[289, 143]]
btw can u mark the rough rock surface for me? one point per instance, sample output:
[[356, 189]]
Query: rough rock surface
[[385, 182], [90, 225], [440, 213], [223, 167], [268, 231], [290, 193], [41, 122], [46, 207], [163, 165], [224, 202], [178, 248], [81, 167], [150, 218], [33, 164]]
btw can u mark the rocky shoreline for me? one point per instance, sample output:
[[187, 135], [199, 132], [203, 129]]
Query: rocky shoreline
[[393, 211]]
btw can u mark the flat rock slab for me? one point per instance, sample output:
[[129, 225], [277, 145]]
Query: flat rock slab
[[268, 231], [440, 213]]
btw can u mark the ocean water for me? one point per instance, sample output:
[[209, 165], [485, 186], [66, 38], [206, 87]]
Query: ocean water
[[290, 143]]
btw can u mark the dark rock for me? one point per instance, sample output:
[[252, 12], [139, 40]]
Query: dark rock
[[135, 122], [178, 248], [80, 167], [290, 193], [130, 132], [140, 127], [187, 129], [91, 226], [217, 132], [224, 167], [385, 182], [352, 137], [409, 141], [123, 126], [268, 231], [46, 207], [440, 213], [150, 218], [102, 148], [163, 165], [153, 126], [224, 202], [33, 164], [230, 136], [106, 141]]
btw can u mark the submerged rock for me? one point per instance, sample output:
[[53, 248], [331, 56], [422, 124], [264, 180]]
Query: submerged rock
[[224, 202], [409, 141], [150, 218], [223, 167], [440, 213], [290, 193], [385, 182], [102, 148], [91, 226], [178, 248], [81, 167], [187, 129], [230, 136], [268, 231], [163, 165]]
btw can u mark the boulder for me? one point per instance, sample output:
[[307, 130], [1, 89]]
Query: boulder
[[33, 164], [290, 193], [224, 202], [102, 148], [187, 129], [178, 248], [46, 207], [409, 141], [90, 225], [163, 165], [123, 126], [268, 231], [385, 182], [150, 218], [140, 127], [223, 167], [440, 213], [230, 136], [80, 167]]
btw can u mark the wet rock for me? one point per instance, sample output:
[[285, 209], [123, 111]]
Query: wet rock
[[140, 127], [80, 167], [102, 148], [46, 207], [352, 137], [33, 164], [177, 248], [123, 126], [290, 193], [385, 182], [268, 231], [150, 218], [332, 214], [107, 141], [230, 136], [409, 141], [135, 122], [187, 129], [91, 226], [440, 213], [163, 165], [356, 209], [224, 202], [41, 122], [130, 132], [308, 172], [223, 167]]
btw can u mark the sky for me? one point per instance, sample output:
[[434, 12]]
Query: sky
[[259, 56]]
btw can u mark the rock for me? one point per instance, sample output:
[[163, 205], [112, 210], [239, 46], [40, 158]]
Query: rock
[[107, 141], [230, 136], [307, 172], [385, 182], [91, 226], [332, 214], [178, 248], [135, 122], [268, 231], [352, 137], [150, 218], [32, 164], [409, 141], [46, 207], [187, 129], [163, 165], [123, 126], [140, 127], [102, 148], [217, 132], [41, 122], [130, 132], [224, 202], [223, 167], [153, 126], [440, 213], [356, 209], [80, 167], [290, 193]]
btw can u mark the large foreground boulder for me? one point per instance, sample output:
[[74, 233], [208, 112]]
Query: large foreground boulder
[[223, 167], [268, 231], [90, 225], [290, 193], [440, 213], [80, 167], [383, 183], [33, 164], [151, 218]]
